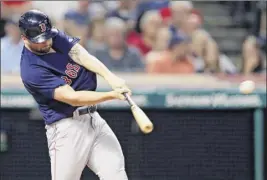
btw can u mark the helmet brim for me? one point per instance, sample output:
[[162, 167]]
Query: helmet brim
[[45, 36]]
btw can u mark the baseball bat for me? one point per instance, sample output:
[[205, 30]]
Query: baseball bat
[[141, 118]]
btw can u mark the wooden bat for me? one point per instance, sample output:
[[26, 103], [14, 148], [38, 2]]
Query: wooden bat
[[141, 118]]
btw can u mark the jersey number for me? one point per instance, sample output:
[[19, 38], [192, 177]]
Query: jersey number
[[71, 72], [67, 80]]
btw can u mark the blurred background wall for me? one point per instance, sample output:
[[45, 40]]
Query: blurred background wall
[[184, 61]]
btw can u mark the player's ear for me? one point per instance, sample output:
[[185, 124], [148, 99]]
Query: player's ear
[[25, 40], [23, 37]]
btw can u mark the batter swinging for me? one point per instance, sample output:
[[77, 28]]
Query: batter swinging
[[61, 77]]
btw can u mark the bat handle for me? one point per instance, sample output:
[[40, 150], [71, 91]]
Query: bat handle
[[129, 99]]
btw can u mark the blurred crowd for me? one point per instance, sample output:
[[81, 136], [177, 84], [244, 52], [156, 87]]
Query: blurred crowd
[[140, 35]]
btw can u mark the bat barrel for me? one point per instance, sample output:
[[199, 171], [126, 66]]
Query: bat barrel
[[142, 120], [147, 129]]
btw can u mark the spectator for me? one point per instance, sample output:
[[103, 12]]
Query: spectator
[[208, 58], [8, 8], [161, 44], [117, 55], [126, 12], [76, 18], [96, 39], [148, 5], [110, 5], [187, 23], [254, 49], [180, 11], [162, 39], [206, 48], [74, 26], [176, 60], [166, 16], [11, 48], [55, 9], [150, 23], [97, 11]]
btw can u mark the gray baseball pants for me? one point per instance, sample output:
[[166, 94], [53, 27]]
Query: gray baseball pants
[[81, 141]]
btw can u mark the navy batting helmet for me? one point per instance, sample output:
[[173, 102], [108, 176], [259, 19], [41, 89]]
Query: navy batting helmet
[[36, 26]]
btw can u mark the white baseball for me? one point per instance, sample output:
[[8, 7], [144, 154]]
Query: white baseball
[[247, 87]]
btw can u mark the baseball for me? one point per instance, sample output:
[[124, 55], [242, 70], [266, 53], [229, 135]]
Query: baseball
[[247, 87]]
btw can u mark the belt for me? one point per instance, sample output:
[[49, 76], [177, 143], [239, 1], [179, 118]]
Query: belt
[[87, 110]]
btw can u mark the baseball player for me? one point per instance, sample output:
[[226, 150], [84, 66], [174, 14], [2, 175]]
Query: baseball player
[[61, 76]]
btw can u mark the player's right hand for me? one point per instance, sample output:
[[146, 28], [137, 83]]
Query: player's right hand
[[118, 93]]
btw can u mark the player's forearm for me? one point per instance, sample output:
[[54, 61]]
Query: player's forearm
[[85, 98]]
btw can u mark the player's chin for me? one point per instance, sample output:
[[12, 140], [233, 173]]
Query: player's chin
[[45, 50]]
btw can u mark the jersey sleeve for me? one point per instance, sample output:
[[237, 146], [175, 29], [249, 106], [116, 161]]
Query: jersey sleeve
[[64, 42], [42, 82]]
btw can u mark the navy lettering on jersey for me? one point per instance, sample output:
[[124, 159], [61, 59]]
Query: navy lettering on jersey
[[42, 74]]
